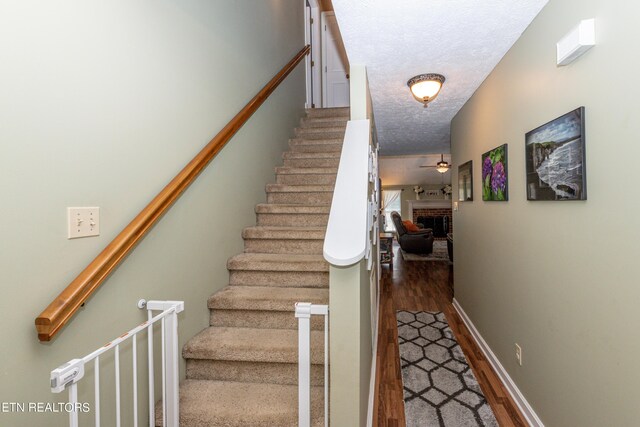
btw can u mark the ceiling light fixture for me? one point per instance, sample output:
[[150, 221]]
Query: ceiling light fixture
[[442, 166], [425, 87]]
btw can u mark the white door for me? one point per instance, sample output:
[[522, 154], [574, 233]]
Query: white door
[[335, 80], [308, 41]]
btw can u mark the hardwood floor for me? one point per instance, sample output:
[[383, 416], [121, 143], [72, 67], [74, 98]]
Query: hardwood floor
[[426, 286]]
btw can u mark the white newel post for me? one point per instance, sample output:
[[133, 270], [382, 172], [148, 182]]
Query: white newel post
[[303, 313], [173, 381], [171, 398]]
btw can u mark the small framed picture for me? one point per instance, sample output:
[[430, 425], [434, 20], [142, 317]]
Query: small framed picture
[[465, 182], [555, 159], [495, 182]]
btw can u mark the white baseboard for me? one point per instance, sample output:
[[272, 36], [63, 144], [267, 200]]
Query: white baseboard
[[525, 408]]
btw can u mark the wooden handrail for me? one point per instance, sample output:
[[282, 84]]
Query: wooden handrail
[[64, 306]]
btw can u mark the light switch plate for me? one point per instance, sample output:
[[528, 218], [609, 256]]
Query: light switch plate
[[519, 354], [83, 222]]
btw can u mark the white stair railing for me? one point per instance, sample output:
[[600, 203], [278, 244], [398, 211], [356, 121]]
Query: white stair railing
[[304, 311], [68, 375]]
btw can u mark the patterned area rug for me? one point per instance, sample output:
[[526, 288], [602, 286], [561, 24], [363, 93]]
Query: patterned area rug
[[439, 253], [439, 386]]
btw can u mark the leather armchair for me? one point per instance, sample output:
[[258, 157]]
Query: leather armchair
[[417, 242]]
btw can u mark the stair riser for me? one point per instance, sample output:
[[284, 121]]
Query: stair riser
[[323, 123], [286, 246], [312, 163], [293, 279], [260, 319], [306, 179], [315, 148], [251, 372], [319, 133], [329, 112], [315, 198], [209, 407], [293, 220]]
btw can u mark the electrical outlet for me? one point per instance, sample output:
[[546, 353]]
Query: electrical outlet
[[519, 354]]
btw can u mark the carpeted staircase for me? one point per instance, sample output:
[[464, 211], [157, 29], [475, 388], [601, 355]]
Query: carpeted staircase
[[242, 370]]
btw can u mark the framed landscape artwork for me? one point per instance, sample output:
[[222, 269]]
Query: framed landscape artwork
[[495, 185], [555, 159], [465, 182]]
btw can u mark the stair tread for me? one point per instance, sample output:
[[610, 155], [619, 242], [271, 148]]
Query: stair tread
[[235, 404], [282, 232], [265, 298], [320, 119], [321, 129], [311, 155], [328, 112], [292, 208], [323, 123], [319, 141], [251, 345], [293, 170], [277, 262], [288, 188]]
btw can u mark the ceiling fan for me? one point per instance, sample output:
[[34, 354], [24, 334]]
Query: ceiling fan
[[441, 166]]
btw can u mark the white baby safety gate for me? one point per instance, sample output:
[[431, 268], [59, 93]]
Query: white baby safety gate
[[68, 375]]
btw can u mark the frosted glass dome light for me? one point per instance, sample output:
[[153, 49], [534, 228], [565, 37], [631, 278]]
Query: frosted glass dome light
[[425, 87]]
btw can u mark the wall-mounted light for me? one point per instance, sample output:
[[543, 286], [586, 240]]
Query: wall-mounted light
[[425, 87]]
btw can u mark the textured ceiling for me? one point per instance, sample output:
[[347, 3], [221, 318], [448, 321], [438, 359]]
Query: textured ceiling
[[461, 39]]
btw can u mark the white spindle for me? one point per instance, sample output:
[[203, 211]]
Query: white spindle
[[73, 399], [152, 408], [96, 381], [117, 367], [326, 370], [135, 379], [164, 379]]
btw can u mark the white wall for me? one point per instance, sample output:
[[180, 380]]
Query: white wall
[[559, 278], [101, 104]]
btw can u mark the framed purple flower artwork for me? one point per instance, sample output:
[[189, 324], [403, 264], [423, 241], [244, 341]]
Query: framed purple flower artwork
[[495, 183]]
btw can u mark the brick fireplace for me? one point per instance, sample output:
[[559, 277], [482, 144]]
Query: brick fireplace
[[431, 208]]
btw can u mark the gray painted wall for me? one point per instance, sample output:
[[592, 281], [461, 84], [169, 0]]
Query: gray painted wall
[[559, 278], [102, 104]]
